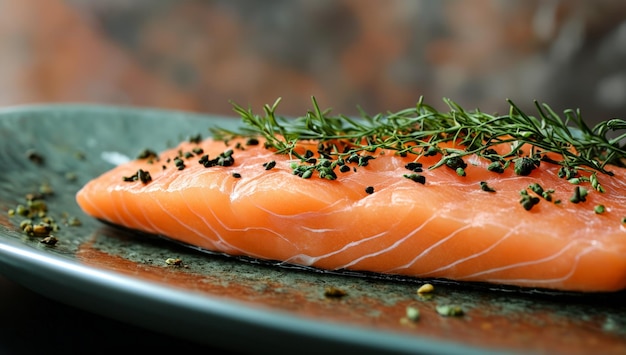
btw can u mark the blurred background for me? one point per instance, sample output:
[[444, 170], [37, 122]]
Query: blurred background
[[376, 54]]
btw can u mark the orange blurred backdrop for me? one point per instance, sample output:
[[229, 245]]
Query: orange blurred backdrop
[[377, 54]]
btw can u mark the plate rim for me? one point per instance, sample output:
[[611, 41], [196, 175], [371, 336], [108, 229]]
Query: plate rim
[[84, 286]]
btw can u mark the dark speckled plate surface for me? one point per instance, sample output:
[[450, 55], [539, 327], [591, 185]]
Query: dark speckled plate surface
[[242, 305]]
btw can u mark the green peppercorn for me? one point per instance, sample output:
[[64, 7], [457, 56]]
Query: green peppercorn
[[485, 187], [455, 162], [525, 165], [416, 177], [580, 194], [496, 167], [269, 165]]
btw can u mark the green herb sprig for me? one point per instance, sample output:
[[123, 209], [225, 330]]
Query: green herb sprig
[[421, 130]]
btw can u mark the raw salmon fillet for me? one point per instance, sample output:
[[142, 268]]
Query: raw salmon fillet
[[375, 218]]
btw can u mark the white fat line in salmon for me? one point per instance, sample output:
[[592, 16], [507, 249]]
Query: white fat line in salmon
[[308, 260], [180, 223], [326, 211], [532, 262], [473, 256], [125, 212], [247, 229], [430, 248], [554, 280], [221, 244]]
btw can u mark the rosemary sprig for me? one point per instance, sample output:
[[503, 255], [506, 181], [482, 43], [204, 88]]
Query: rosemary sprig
[[422, 129]]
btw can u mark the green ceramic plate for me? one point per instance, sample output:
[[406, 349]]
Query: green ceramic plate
[[239, 304]]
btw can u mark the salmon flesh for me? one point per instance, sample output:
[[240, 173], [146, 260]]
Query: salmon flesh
[[390, 215]]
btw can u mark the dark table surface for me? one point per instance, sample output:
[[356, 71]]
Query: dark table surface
[[34, 324]]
